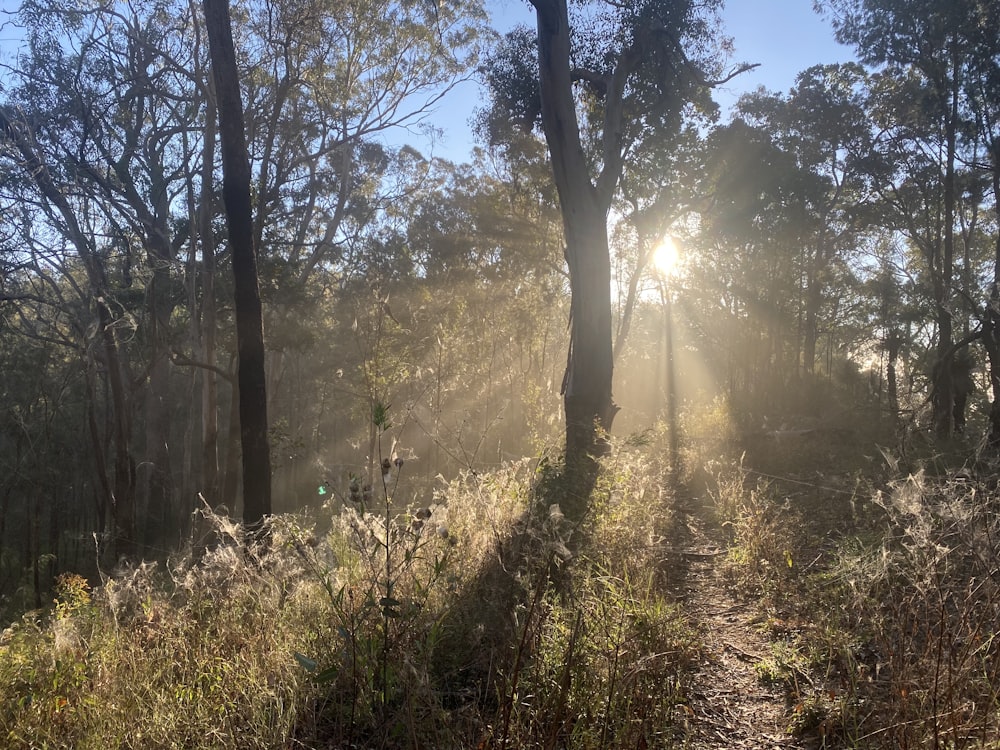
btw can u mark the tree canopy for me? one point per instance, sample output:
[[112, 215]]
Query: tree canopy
[[838, 244]]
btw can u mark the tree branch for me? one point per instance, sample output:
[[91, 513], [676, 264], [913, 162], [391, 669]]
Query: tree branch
[[181, 359]]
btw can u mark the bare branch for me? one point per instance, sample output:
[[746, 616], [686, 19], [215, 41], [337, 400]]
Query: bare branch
[[182, 360]]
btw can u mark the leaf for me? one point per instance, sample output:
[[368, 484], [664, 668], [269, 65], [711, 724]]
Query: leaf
[[308, 664], [327, 675]]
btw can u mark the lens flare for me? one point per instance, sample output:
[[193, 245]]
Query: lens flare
[[665, 257]]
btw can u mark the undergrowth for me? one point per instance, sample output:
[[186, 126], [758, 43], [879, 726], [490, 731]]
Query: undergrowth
[[882, 616], [367, 626], [489, 619], [929, 595]]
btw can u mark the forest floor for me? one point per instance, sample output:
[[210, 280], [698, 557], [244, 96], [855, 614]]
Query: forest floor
[[729, 705], [753, 688]]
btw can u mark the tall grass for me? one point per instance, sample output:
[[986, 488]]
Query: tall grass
[[883, 610], [929, 594], [372, 629]]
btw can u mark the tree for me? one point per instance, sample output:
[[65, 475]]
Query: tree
[[927, 48], [55, 203], [822, 127], [239, 220], [627, 72], [984, 103]]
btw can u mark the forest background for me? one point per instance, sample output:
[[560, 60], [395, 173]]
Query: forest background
[[785, 314], [838, 255]]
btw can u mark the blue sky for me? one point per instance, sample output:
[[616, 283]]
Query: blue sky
[[784, 36]]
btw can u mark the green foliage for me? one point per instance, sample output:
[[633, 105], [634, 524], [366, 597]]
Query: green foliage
[[380, 416]]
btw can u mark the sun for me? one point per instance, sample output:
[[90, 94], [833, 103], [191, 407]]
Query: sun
[[665, 257]]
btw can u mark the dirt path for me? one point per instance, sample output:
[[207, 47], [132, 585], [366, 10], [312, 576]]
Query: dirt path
[[729, 706]]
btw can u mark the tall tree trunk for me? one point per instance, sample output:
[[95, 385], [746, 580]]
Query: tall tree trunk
[[239, 220], [158, 487], [991, 322], [943, 387], [584, 206], [893, 346], [158, 490], [813, 303], [590, 364], [210, 387], [231, 483]]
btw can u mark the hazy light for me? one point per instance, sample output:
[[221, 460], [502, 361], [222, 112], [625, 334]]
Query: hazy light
[[665, 256]]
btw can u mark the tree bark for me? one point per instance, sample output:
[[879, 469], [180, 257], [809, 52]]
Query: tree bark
[[813, 304], [991, 321], [587, 385], [210, 387], [239, 221], [893, 345]]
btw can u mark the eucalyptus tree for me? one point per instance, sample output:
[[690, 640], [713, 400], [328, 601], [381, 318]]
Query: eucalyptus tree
[[664, 188], [984, 103], [445, 311], [324, 82], [251, 381], [488, 249], [54, 211], [104, 98], [927, 52], [52, 491], [748, 259], [822, 126], [116, 105], [608, 78]]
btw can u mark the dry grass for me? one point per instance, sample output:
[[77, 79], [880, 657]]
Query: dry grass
[[883, 614], [929, 596], [346, 638], [494, 622]]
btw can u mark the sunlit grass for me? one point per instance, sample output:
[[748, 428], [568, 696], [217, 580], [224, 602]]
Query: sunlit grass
[[292, 646], [880, 623]]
